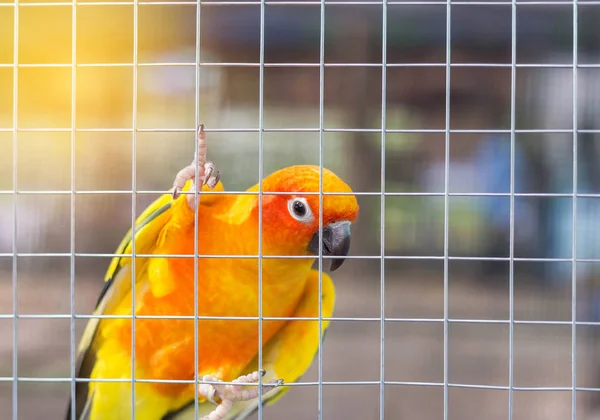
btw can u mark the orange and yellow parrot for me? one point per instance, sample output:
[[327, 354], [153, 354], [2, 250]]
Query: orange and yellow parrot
[[228, 225]]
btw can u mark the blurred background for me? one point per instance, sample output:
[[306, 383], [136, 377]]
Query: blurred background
[[479, 226]]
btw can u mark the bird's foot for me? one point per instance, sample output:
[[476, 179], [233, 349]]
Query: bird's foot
[[208, 174], [225, 395]]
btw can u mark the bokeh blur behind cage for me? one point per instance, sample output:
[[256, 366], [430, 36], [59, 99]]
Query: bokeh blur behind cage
[[481, 302]]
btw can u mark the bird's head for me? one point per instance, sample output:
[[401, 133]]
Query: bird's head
[[291, 217]]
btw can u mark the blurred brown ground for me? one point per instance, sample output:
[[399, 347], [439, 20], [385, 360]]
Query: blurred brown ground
[[478, 353]]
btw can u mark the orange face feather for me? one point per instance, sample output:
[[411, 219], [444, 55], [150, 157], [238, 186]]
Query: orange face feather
[[285, 233]]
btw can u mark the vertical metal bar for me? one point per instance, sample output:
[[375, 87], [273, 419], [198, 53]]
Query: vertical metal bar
[[15, 207], [134, 197], [320, 262], [574, 226], [382, 267], [72, 260], [446, 200], [196, 239], [511, 243], [261, 130]]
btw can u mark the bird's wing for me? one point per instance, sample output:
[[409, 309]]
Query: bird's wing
[[287, 355], [148, 227]]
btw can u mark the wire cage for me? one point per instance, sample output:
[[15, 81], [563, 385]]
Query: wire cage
[[468, 131]]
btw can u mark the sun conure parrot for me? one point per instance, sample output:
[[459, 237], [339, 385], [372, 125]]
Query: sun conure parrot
[[227, 287]]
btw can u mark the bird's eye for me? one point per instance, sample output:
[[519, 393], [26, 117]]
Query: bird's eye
[[300, 210]]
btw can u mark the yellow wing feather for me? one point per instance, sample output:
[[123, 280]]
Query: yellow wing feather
[[289, 354], [149, 225]]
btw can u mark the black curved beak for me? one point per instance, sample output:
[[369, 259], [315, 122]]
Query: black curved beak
[[336, 242]]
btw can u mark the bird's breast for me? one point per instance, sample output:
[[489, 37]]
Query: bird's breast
[[165, 348]]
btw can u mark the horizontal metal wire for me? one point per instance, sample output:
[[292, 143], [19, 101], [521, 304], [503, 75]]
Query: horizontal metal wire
[[267, 257], [305, 130], [308, 3], [309, 65], [357, 194], [309, 383], [336, 319], [307, 193]]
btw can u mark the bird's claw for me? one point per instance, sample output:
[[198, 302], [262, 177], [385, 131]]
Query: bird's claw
[[207, 172], [211, 175], [223, 396]]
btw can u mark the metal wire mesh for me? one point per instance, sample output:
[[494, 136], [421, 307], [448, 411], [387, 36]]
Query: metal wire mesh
[[383, 256]]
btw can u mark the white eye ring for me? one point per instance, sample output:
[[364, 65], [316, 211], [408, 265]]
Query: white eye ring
[[300, 210]]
